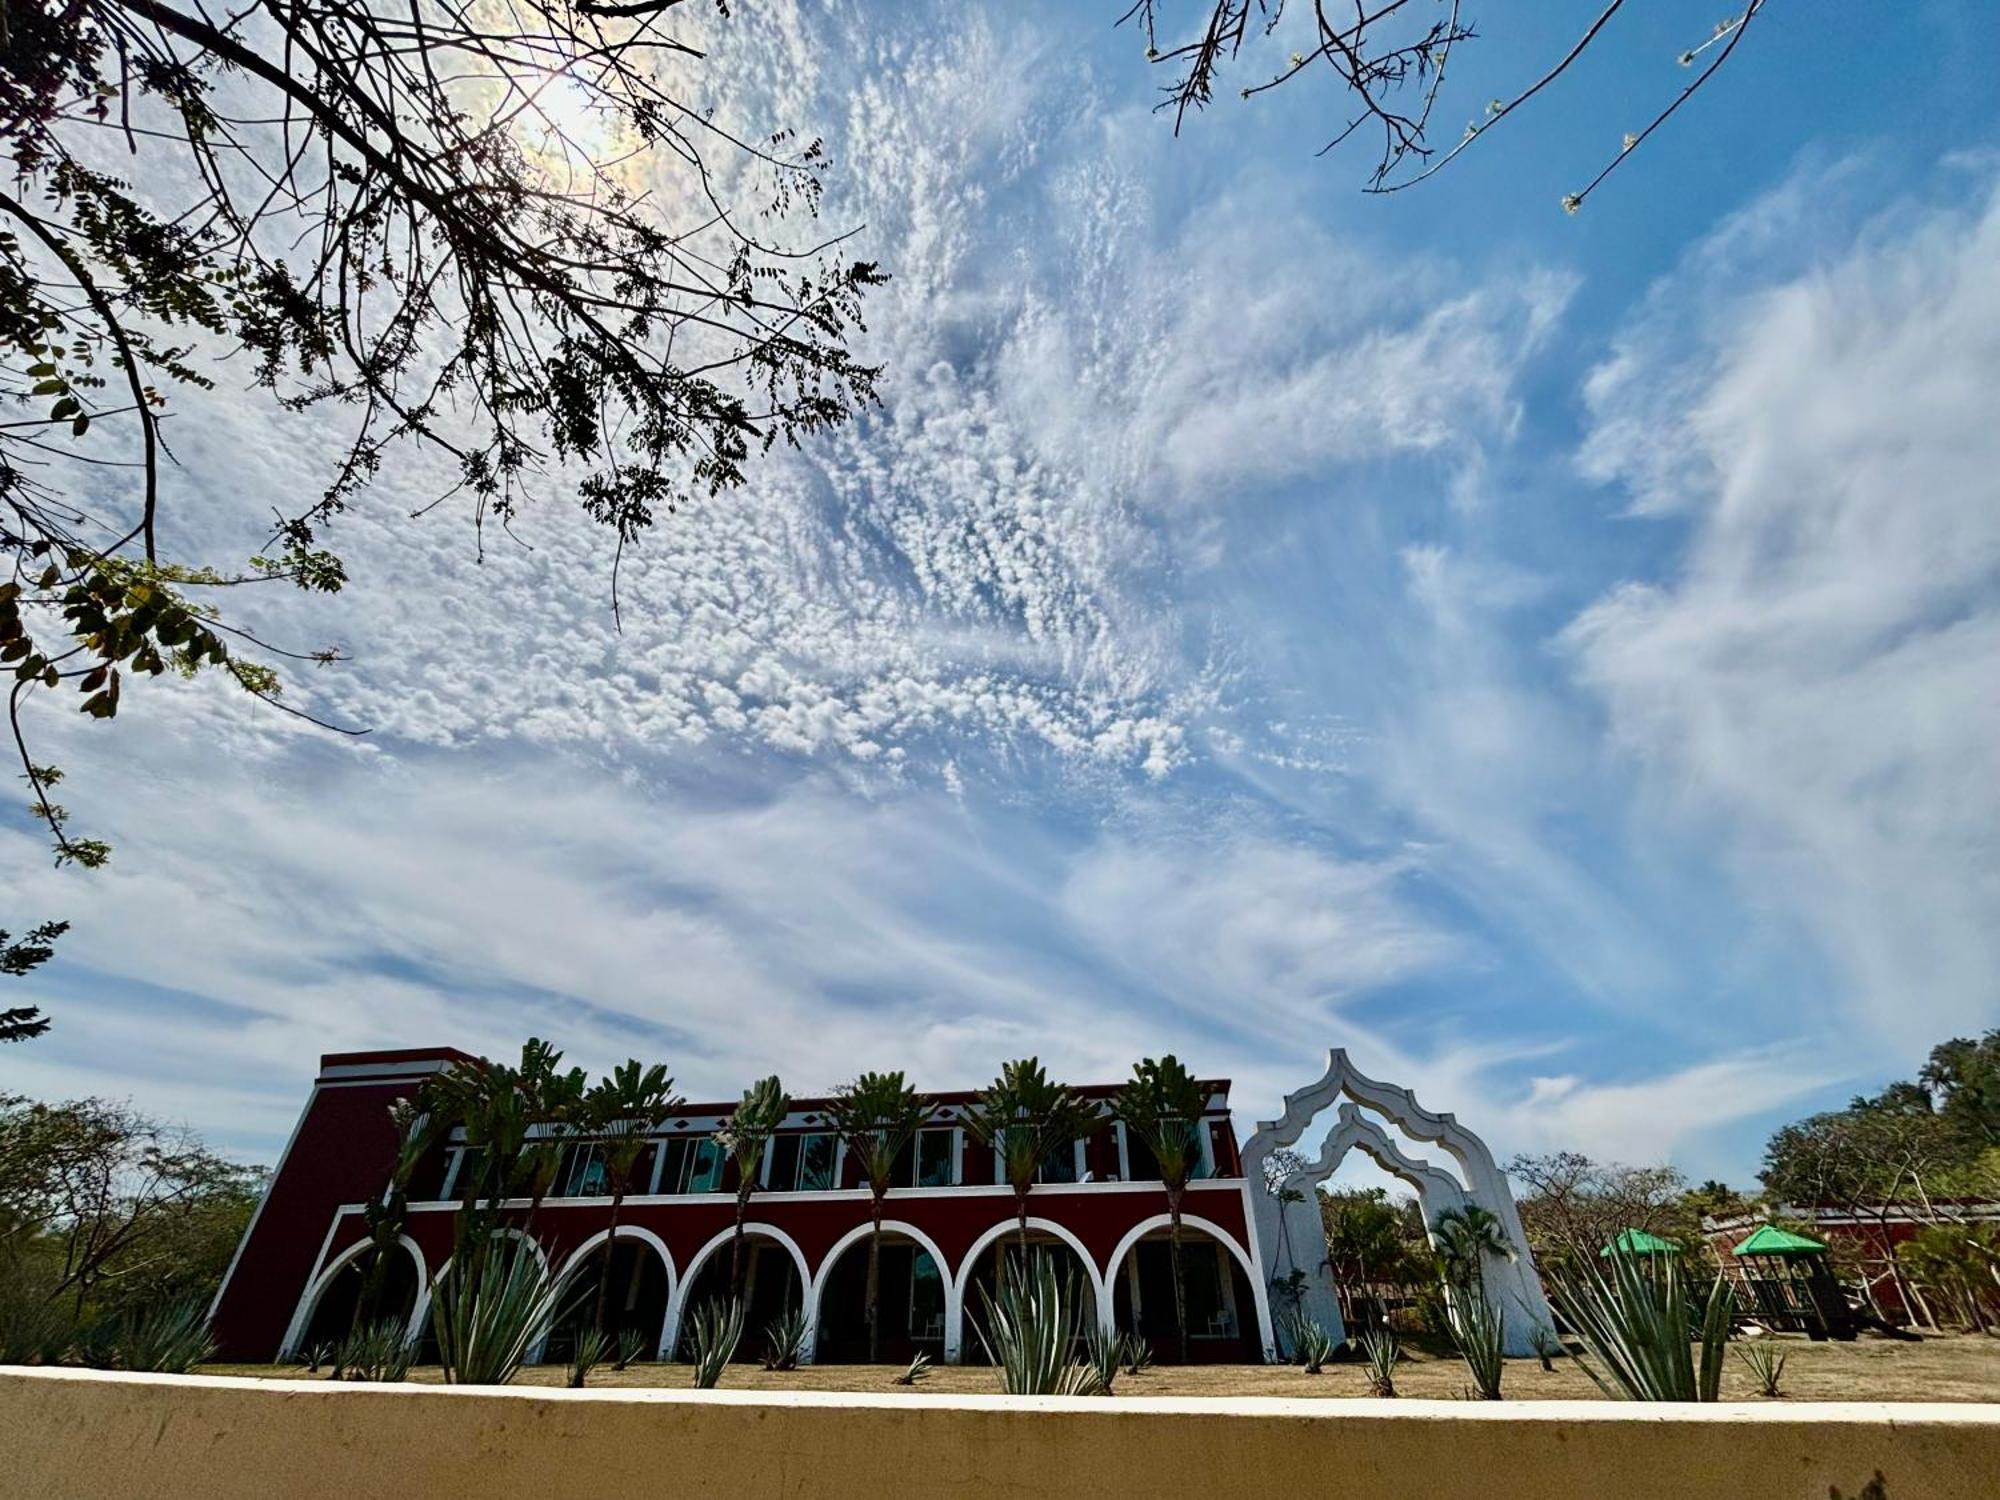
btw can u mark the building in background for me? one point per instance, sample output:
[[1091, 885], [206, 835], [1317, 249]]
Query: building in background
[[294, 1283]]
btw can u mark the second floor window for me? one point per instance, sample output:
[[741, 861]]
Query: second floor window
[[936, 1162], [690, 1166], [802, 1163], [581, 1174]]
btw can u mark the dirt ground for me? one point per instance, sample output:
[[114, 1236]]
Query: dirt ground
[[1942, 1368]]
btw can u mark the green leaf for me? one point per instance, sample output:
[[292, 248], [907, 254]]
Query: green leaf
[[80, 426]]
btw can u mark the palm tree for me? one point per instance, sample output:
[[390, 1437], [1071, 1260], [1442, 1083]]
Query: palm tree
[[416, 1131], [746, 1136], [1465, 1237], [1022, 1117], [1163, 1105], [553, 1099], [625, 1110], [876, 1116]]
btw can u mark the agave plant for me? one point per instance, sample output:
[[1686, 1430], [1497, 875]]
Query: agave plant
[[591, 1349], [168, 1340], [488, 1317], [381, 1352], [1315, 1347], [1378, 1347], [33, 1331], [1766, 1363], [1029, 1328], [1635, 1327], [1542, 1339], [1135, 1353], [1479, 1333], [785, 1339], [1104, 1353], [918, 1367], [631, 1344], [712, 1339]]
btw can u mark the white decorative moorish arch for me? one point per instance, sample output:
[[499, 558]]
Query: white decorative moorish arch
[[1512, 1284], [961, 1282]]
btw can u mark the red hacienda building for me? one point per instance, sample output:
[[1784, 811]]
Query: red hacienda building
[[295, 1278]]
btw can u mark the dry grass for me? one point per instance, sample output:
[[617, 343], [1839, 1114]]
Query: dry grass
[[1965, 1368]]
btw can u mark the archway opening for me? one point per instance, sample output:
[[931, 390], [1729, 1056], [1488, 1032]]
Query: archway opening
[[341, 1300], [910, 1297], [771, 1288], [635, 1300], [1221, 1307], [983, 1284]]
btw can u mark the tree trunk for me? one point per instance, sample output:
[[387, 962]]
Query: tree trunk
[[736, 1244], [1174, 1255], [1021, 1207], [874, 1303], [604, 1276]]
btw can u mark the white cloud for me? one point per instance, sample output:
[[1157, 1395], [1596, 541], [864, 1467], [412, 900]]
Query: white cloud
[[1817, 687]]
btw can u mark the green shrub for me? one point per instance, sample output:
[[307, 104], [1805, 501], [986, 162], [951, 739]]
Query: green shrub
[[918, 1367], [169, 1340]]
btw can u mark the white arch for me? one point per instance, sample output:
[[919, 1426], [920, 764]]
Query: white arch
[[1109, 1318], [315, 1289], [427, 1289], [670, 1340], [1508, 1281], [954, 1305], [889, 1226], [575, 1262]]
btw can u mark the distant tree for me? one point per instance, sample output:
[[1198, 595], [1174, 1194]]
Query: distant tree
[[108, 1209], [876, 1117], [1573, 1206], [746, 1136], [22, 1023], [1963, 1077], [1372, 1242], [1386, 63], [1163, 1105], [514, 239], [1465, 1237]]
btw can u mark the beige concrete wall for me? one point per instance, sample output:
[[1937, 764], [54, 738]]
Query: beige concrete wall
[[131, 1437]]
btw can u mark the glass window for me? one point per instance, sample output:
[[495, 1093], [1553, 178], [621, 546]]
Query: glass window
[[677, 1156], [926, 1297], [705, 1175], [1208, 1299], [815, 1163], [936, 1158], [1059, 1164], [784, 1163], [582, 1174]]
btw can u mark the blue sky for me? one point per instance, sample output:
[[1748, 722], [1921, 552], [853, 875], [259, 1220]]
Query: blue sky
[[1553, 657]]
